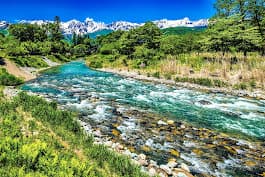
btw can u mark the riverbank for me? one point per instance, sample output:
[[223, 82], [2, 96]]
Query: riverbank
[[148, 166], [161, 123], [39, 133], [256, 94], [26, 73]]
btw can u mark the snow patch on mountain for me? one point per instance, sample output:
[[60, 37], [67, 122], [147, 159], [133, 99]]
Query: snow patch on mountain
[[3, 25], [91, 26], [186, 22], [123, 25]]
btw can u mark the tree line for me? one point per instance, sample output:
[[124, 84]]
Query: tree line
[[27, 40], [238, 26]]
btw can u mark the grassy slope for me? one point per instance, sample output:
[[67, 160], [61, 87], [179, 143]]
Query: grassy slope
[[37, 139]]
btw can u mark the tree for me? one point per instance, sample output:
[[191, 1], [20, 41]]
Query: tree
[[28, 32], [56, 33], [224, 8], [149, 34], [256, 12], [74, 40]]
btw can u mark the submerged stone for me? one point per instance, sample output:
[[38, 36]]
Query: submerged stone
[[116, 132], [174, 152], [146, 148]]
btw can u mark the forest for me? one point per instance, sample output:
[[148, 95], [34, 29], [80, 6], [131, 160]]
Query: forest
[[230, 52], [37, 138]]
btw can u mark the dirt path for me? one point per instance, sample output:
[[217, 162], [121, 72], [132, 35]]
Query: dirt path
[[12, 68]]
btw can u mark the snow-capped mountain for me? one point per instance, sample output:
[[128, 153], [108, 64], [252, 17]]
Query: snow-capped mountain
[[74, 26], [90, 26], [180, 23], [3, 25], [38, 22], [122, 25]]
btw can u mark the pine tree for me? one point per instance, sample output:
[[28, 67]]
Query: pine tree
[[56, 30], [74, 40]]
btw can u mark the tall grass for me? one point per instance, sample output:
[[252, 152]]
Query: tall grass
[[64, 124]]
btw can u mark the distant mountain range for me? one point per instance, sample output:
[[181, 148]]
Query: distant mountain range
[[91, 26]]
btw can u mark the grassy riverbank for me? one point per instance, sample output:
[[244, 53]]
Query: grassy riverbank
[[206, 69], [37, 139]]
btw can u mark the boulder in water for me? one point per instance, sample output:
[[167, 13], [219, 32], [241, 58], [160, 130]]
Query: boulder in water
[[205, 102], [160, 122], [166, 168]]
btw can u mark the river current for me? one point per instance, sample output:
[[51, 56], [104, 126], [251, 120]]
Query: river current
[[214, 133]]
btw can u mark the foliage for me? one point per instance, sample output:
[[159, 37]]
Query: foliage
[[183, 30], [202, 81], [38, 139], [8, 79], [30, 61], [28, 41], [237, 28]]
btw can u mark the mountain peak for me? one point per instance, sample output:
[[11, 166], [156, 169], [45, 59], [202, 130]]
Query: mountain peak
[[90, 26]]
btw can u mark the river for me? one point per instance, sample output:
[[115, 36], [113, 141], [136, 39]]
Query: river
[[215, 134]]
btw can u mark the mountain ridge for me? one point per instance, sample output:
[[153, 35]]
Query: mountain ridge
[[91, 26]]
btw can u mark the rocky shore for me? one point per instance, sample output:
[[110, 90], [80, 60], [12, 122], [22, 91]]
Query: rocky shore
[[256, 94], [121, 114], [151, 167]]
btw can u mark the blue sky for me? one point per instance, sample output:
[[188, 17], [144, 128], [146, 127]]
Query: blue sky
[[106, 10]]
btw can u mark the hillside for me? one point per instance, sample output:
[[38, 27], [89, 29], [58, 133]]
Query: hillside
[[183, 30], [3, 31], [34, 141]]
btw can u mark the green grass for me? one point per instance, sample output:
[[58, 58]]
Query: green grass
[[182, 30], [7, 79], [202, 81], [38, 139], [30, 61]]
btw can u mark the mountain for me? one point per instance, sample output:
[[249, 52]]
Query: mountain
[[122, 25], [186, 22], [91, 26], [3, 25]]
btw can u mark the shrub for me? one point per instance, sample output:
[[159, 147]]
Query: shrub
[[30, 61], [156, 74], [95, 64], [219, 83], [167, 76], [252, 84], [8, 79], [241, 86]]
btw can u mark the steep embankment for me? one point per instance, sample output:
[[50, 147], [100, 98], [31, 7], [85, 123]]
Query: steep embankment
[[13, 69], [26, 73]]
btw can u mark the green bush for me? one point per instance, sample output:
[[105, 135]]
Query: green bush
[[8, 79], [168, 76], [241, 86], [156, 74], [202, 81], [252, 84], [95, 64], [30, 61]]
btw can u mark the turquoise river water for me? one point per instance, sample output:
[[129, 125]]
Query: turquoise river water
[[232, 125]]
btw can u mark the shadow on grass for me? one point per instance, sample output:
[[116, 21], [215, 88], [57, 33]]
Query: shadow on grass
[[2, 61]]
